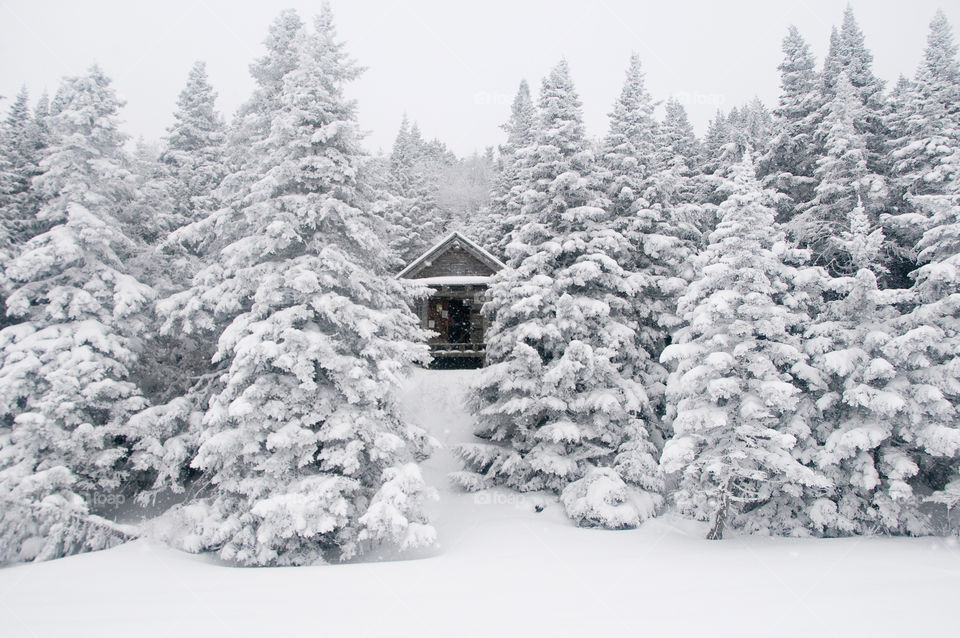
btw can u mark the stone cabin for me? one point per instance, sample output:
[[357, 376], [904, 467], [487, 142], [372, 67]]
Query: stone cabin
[[458, 271]]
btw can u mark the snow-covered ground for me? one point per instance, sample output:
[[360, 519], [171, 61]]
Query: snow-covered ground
[[504, 570]]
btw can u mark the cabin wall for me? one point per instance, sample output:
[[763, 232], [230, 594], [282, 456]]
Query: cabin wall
[[454, 262]]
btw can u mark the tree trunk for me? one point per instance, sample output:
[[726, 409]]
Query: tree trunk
[[716, 532]]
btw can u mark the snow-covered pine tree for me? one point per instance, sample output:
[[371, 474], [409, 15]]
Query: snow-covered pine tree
[[729, 135], [736, 380], [403, 156], [844, 181], [194, 148], [21, 145], [252, 122], [789, 162], [503, 215], [677, 186], [628, 152], [436, 163], [926, 349], [661, 247], [715, 142], [64, 369], [848, 54], [865, 444], [307, 458], [562, 402], [929, 130], [411, 214], [677, 139], [167, 434], [924, 123]]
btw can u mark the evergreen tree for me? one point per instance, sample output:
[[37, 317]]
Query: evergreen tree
[[21, 145], [306, 455], [251, 126], [930, 130], [865, 443], [194, 148], [252, 122], [628, 151], [660, 247], [926, 346], [65, 368], [167, 434], [848, 55], [677, 139], [844, 181], [677, 186], [563, 402], [737, 377], [729, 135], [924, 123], [504, 214], [789, 163], [412, 213]]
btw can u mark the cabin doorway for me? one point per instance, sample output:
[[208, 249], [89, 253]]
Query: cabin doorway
[[459, 327]]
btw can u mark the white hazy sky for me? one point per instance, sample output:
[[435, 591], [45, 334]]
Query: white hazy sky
[[453, 66]]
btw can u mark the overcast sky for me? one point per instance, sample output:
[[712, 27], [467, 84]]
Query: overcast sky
[[452, 66]]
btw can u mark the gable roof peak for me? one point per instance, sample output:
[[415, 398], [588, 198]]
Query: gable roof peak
[[452, 239]]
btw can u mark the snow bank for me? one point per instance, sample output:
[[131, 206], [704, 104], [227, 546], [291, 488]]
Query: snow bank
[[503, 569]]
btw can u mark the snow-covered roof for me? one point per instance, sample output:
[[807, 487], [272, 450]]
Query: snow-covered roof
[[442, 246], [456, 280]]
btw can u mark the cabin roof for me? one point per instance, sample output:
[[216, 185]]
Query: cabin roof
[[445, 244]]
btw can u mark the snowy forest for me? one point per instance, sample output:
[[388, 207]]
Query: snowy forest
[[758, 328]]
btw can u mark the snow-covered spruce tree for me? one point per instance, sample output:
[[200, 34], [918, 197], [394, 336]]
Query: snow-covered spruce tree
[[677, 186], [924, 123], [848, 54], [251, 124], [729, 135], [21, 145], [844, 181], [660, 247], [167, 434], [926, 350], [736, 382], [562, 403], [902, 225], [628, 152], [306, 456], [194, 148], [928, 130], [503, 215], [866, 447], [66, 393], [412, 211], [677, 151], [789, 162]]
